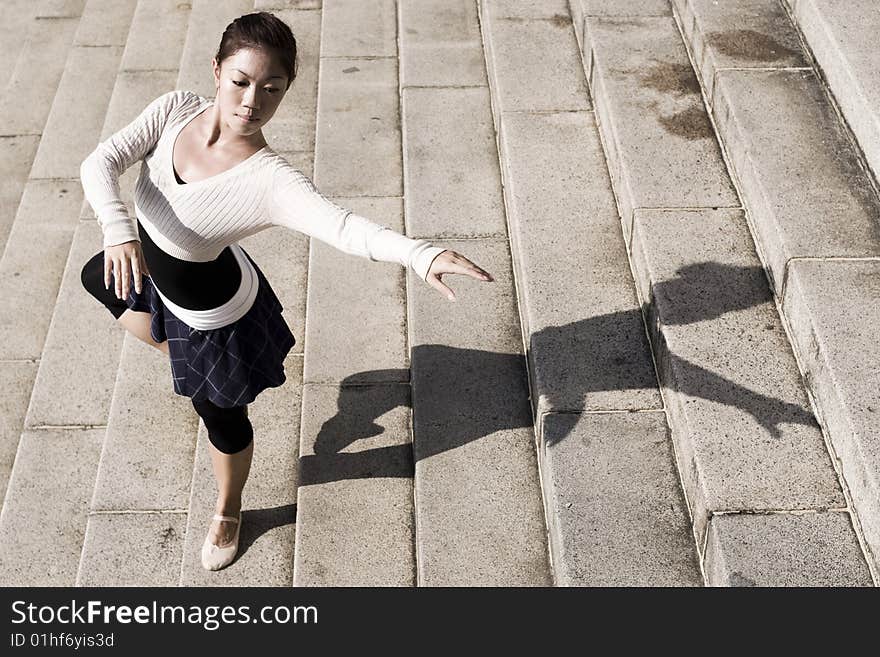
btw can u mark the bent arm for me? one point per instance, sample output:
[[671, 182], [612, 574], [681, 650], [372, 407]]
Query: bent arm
[[100, 171], [298, 205]]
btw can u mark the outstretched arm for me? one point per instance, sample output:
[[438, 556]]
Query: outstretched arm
[[298, 205]]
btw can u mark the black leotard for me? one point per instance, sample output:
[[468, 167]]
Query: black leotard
[[191, 285]]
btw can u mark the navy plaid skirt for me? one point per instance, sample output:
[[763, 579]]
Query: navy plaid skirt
[[230, 365]]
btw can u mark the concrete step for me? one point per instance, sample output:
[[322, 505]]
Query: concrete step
[[355, 497], [843, 39], [479, 518], [746, 439], [814, 207], [600, 420]]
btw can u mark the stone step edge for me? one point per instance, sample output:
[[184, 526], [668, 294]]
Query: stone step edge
[[779, 292]]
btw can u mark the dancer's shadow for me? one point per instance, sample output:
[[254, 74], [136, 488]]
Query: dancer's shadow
[[465, 394]]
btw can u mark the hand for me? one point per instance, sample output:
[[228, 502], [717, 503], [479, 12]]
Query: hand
[[450, 262], [123, 261]]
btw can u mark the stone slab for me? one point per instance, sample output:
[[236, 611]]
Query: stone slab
[[440, 44], [615, 509], [358, 128], [578, 302], [105, 23], [662, 150], [60, 8], [556, 9], [355, 496], [739, 34], [79, 363], [266, 541], [78, 111], [815, 201], [811, 549], [16, 383], [27, 98], [479, 516], [359, 28], [260, 5], [147, 460], [833, 308], [746, 437], [452, 186], [357, 313], [534, 64], [44, 514], [158, 32], [843, 38], [33, 264], [19, 19], [16, 156], [132, 549]]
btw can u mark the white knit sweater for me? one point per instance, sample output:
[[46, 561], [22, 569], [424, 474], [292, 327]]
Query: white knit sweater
[[197, 220]]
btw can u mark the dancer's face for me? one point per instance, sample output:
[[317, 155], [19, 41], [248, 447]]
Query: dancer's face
[[250, 83]]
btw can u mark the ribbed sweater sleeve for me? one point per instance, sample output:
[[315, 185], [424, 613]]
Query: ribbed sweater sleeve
[[100, 171], [298, 205]]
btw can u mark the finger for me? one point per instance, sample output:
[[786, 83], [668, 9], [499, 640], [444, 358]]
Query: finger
[[444, 290], [125, 272], [108, 267], [136, 273], [117, 278]]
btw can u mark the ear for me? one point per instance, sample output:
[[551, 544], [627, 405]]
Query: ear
[[216, 68]]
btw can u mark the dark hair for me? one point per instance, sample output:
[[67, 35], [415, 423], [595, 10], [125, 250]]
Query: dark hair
[[261, 30]]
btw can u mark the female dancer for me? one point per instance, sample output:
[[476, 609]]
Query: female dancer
[[180, 280]]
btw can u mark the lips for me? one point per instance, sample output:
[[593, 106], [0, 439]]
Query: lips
[[247, 119]]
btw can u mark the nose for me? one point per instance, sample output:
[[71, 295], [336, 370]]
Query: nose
[[251, 98]]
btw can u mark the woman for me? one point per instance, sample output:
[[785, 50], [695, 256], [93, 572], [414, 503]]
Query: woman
[[180, 281]]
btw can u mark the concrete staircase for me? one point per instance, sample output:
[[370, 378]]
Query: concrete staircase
[[672, 380]]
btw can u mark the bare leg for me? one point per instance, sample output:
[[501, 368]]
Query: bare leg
[[231, 471], [138, 324]]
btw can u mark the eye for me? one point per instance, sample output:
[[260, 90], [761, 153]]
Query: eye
[[272, 91], [239, 83]]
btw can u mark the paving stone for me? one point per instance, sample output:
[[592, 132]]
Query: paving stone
[[16, 382], [452, 185], [27, 99], [293, 126], [478, 508], [615, 509], [132, 549], [16, 156], [534, 64], [843, 37], [557, 9], [105, 23], [266, 541], [739, 34], [18, 21], [355, 495], [357, 311], [147, 461], [746, 437], [662, 150], [78, 111], [811, 549], [440, 44], [578, 303], [359, 28], [44, 514], [60, 8], [815, 201], [833, 307], [79, 363], [358, 128], [156, 39], [33, 264], [286, 4]]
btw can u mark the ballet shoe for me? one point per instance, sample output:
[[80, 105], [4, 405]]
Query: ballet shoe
[[215, 557]]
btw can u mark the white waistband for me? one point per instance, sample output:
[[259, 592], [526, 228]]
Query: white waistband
[[232, 310]]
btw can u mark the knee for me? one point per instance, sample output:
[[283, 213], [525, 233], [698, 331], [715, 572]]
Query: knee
[[92, 277], [229, 429]]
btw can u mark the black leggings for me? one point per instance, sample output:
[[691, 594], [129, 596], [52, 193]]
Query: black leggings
[[229, 429]]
